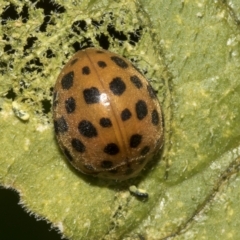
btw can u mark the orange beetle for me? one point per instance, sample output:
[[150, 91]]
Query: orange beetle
[[107, 118]]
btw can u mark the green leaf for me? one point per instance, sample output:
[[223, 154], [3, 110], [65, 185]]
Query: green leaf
[[190, 52]]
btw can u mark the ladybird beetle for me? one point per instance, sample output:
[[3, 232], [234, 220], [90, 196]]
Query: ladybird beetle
[[107, 118]]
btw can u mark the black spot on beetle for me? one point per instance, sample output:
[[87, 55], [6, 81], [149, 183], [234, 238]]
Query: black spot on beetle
[[136, 81], [145, 150], [105, 122], [91, 95], [141, 109], [86, 70], [106, 164], [101, 64], [70, 105], [117, 86], [89, 167], [111, 149], [151, 91], [87, 129], [68, 155], [125, 114], [135, 140], [55, 101], [120, 62], [67, 80], [78, 145], [155, 117], [60, 125]]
